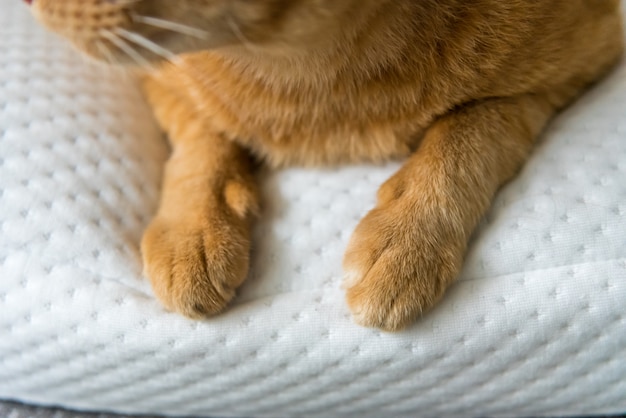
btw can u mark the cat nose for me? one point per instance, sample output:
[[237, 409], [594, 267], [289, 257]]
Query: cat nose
[[28, 1]]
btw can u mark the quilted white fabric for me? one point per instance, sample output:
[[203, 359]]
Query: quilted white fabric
[[536, 325]]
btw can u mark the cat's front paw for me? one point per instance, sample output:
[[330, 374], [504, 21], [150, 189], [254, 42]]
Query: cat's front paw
[[194, 268], [398, 264]]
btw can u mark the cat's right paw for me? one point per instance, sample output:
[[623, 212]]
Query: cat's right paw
[[196, 269]]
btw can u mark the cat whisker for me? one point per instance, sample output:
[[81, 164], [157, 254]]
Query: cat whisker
[[123, 46], [106, 53], [147, 44], [171, 26], [234, 27], [109, 60]]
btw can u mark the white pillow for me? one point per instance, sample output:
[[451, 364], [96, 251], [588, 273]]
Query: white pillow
[[536, 324]]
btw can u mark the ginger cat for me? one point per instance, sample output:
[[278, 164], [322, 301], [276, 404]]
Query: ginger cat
[[460, 88]]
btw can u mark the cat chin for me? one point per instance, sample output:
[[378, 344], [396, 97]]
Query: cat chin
[[150, 31], [130, 32], [147, 51]]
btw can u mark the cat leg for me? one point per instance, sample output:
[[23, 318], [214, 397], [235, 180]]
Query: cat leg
[[410, 247], [196, 249]]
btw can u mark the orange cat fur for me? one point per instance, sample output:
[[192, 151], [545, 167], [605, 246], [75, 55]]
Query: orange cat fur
[[461, 88]]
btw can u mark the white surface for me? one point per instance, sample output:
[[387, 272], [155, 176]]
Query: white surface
[[536, 325]]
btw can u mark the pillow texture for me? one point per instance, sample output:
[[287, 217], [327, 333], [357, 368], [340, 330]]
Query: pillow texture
[[535, 325]]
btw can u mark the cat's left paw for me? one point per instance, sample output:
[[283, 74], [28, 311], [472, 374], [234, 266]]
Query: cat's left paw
[[398, 265], [196, 265]]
